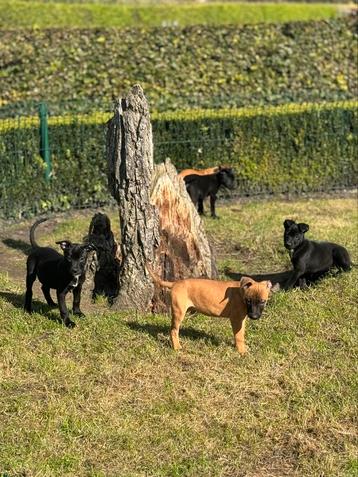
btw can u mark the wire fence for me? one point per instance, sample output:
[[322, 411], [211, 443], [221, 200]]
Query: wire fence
[[286, 149]]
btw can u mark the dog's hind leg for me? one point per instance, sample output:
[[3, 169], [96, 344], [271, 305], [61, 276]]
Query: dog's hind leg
[[30, 278], [47, 295], [341, 259], [178, 315], [238, 328]]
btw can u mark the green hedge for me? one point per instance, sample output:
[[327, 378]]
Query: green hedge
[[15, 14], [180, 68], [274, 150]]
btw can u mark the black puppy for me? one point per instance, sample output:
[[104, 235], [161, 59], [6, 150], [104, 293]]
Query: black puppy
[[200, 187], [311, 260], [60, 272], [108, 253]]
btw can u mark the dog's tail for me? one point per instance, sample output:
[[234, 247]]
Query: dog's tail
[[32, 232], [157, 280]]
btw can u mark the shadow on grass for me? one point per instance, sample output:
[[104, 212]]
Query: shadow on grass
[[17, 300], [21, 245], [154, 330]]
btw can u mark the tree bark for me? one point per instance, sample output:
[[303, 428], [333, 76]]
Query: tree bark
[[130, 159], [159, 224], [184, 249]]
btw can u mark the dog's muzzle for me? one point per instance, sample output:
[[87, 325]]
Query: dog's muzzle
[[254, 316], [74, 282]]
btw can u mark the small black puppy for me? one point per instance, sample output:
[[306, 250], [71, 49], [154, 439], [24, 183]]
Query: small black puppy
[[60, 272], [311, 260], [200, 187], [108, 254]]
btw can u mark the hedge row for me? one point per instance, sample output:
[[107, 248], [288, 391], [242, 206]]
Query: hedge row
[[274, 150], [180, 68], [15, 14]]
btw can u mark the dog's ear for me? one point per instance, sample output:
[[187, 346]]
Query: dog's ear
[[64, 244], [303, 228], [287, 223], [246, 282]]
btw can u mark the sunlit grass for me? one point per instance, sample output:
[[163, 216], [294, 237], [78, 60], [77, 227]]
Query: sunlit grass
[[14, 14], [110, 398]]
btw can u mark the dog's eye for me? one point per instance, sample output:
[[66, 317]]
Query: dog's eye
[[248, 302], [262, 302]]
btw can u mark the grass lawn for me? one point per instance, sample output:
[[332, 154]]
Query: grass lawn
[[27, 14], [110, 398]]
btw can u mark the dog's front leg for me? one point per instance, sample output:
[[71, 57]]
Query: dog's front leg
[[212, 206], [61, 299], [46, 292], [238, 328], [292, 279], [201, 206], [76, 301]]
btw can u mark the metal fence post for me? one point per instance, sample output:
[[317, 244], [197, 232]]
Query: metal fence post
[[44, 140]]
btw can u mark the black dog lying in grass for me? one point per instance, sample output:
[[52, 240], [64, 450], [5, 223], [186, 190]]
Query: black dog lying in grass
[[311, 260], [199, 187], [64, 273]]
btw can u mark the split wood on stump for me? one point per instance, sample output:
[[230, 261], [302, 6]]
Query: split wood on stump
[[158, 222]]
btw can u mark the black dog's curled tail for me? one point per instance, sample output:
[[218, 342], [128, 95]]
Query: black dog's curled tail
[[32, 232]]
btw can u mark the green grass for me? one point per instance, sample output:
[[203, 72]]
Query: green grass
[[110, 398], [15, 14]]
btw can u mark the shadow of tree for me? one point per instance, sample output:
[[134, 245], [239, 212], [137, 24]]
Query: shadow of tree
[[16, 244], [154, 330]]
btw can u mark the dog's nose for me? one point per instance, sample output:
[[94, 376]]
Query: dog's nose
[[254, 316]]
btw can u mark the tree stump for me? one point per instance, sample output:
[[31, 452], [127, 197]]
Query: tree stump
[[130, 161], [184, 250], [91, 269], [158, 222]]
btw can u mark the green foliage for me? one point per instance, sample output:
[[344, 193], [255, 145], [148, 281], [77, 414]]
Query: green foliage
[[197, 66], [284, 149], [15, 14]]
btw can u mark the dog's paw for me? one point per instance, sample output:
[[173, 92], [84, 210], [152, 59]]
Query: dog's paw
[[216, 217], [79, 314], [242, 350], [70, 324]]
